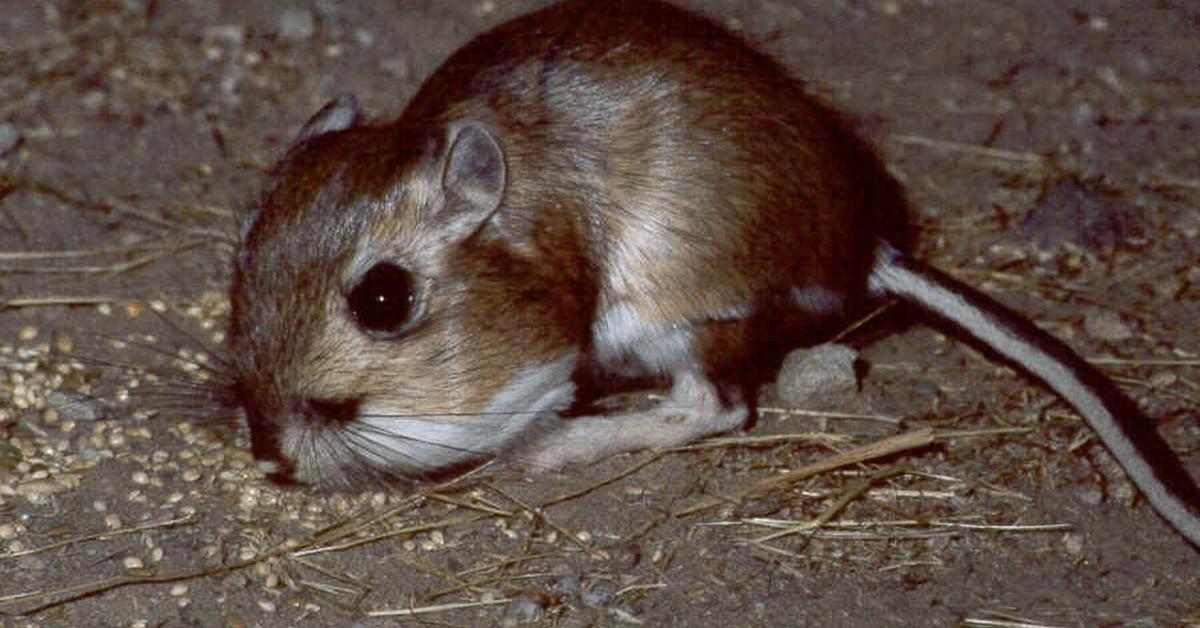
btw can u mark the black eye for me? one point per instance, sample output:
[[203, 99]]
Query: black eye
[[384, 298]]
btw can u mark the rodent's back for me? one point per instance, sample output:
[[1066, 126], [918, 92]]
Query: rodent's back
[[678, 138]]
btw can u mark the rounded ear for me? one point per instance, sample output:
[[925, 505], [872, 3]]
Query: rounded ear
[[473, 180], [338, 114]]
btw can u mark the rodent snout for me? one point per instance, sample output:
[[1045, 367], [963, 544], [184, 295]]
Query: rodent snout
[[267, 432]]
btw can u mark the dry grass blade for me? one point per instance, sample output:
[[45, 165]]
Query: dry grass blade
[[1142, 362], [436, 608], [870, 316], [822, 414], [100, 535], [993, 431], [1005, 623], [405, 531], [854, 492], [470, 505], [1173, 180], [1037, 527], [494, 580], [116, 268], [12, 183], [56, 301], [995, 155], [539, 513], [25, 256], [48, 599], [602, 483], [913, 439], [754, 441], [783, 527]]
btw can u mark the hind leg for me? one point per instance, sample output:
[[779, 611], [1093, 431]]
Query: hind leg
[[694, 409], [708, 396]]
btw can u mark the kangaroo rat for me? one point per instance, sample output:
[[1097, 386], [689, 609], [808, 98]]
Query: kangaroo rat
[[591, 191]]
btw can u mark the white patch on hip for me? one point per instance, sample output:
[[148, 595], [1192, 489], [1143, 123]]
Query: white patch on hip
[[625, 341], [817, 300]]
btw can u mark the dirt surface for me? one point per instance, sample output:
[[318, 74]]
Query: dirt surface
[[133, 132]]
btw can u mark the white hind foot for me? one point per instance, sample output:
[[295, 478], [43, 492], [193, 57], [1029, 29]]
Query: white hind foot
[[693, 410]]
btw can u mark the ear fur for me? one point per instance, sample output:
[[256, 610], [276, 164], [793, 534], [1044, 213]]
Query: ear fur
[[338, 114], [474, 177]]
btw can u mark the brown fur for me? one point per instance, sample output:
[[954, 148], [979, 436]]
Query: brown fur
[[641, 170]]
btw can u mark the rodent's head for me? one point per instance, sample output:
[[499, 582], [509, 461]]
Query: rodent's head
[[380, 329]]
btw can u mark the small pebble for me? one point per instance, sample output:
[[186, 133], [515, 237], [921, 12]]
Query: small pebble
[[133, 562], [39, 492], [297, 25], [485, 8], [1163, 379], [567, 585], [10, 139], [599, 596], [1073, 543], [1090, 496], [1106, 325], [233, 34], [821, 370], [526, 610], [1084, 114], [75, 406]]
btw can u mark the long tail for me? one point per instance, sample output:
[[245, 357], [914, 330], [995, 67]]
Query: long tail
[[1127, 433]]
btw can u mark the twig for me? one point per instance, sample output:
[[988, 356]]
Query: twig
[[912, 439]]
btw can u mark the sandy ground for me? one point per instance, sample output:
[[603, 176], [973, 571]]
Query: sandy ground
[[133, 133]]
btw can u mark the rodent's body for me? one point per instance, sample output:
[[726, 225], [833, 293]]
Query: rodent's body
[[596, 189]]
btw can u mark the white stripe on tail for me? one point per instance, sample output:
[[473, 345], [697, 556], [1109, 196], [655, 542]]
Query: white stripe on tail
[[1123, 428]]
